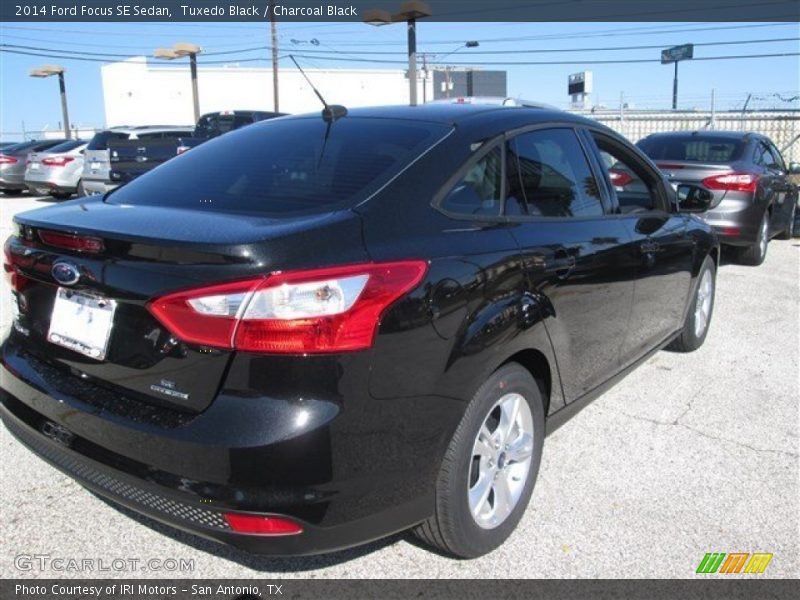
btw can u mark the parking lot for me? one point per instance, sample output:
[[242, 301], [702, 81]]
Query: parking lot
[[692, 453]]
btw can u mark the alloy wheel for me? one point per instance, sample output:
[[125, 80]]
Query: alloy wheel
[[763, 238], [501, 461], [702, 307]]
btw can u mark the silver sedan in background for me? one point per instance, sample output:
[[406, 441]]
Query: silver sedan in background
[[57, 171], [12, 163]]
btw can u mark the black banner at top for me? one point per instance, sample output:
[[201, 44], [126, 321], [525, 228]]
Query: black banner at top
[[398, 10]]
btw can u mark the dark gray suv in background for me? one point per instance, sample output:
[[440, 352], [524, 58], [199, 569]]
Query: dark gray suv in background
[[745, 177]]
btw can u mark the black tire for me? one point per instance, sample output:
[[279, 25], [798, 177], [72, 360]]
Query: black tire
[[452, 529], [12, 192], [754, 255], [60, 195], [689, 340], [788, 233]]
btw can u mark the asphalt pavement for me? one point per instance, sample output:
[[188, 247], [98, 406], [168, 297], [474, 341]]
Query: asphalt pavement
[[692, 453]]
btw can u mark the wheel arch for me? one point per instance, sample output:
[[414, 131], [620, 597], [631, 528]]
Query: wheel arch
[[537, 364]]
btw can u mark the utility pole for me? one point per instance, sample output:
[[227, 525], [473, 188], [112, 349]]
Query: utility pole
[[424, 77], [675, 88], [274, 30], [412, 61]]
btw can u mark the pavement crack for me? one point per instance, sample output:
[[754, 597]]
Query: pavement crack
[[676, 423]]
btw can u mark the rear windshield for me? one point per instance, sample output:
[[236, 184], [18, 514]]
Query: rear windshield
[[21, 147], [100, 140], [214, 125], [282, 167], [67, 146], [700, 148]]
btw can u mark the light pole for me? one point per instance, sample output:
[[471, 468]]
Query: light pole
[[409, 12], [469, 44], [47, 71], [180, 50]]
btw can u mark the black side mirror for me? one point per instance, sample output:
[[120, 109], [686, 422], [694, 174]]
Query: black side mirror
[[692, 198], [794, 168]]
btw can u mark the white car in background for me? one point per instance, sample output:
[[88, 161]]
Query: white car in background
[[57, 171]]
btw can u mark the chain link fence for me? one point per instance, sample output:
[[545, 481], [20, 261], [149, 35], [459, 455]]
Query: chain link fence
[[783, 128]]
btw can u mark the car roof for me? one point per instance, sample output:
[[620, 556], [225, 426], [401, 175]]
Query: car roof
[[457, 113], [717, 133], [149, 128]]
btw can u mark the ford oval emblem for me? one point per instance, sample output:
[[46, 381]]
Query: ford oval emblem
[[65, 273]]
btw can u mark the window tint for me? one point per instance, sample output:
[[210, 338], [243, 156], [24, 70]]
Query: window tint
[[777, 159], [554, 176], [100, 140], [478, 192], [40, 146], [633, 192], [281, 167], [690, 147], [214, 125]]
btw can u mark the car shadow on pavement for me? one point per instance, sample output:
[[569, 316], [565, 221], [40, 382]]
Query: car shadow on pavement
[[256, 562]]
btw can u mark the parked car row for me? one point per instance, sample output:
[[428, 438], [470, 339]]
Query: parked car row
[[112, 157], [323, 329]]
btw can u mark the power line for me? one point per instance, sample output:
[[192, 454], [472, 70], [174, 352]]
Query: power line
[[474, 63], [354, 55]]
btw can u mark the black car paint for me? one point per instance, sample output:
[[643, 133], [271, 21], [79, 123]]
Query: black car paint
[[376, 423]]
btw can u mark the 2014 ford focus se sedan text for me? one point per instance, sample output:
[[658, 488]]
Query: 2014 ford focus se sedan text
[[319, 330]]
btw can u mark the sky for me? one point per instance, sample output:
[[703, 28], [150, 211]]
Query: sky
[[771, 81]]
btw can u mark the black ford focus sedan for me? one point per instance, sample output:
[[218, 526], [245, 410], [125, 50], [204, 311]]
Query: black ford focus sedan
[[319, 330]]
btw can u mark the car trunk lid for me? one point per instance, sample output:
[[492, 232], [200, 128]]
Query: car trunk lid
[[120, 270]]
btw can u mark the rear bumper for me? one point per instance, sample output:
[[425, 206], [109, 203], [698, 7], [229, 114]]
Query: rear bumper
[[97, 186], [10, 181], [345, 477], [735, 223], [50, 186]]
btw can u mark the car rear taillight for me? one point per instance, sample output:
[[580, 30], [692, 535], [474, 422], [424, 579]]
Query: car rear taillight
[[619, 178], [57, 161], [16, 280], [68, 241], [7, 160], [334, 309], [244, 523], [733, 182]]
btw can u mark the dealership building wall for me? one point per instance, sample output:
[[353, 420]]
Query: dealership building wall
[[136, 92]]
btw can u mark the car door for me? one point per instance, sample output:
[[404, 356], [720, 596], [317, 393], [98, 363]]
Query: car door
[[661, 251], [573, 251], [785, 191]]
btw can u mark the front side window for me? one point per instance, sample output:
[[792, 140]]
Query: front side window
[[553, 175], [634, 193]]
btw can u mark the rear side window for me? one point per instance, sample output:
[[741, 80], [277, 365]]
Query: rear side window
[[214, 125], [100, 141], [479, 191], [699, 148], [285, 167], [67, 146], [554, 175]]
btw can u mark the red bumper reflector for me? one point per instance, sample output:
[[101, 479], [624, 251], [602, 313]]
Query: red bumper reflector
[[730, 231], [242, 523]]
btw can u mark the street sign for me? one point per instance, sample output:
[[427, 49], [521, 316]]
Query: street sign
[[677, 53]]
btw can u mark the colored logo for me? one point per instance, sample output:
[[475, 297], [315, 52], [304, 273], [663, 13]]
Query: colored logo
[[65, 273], [736, 562]]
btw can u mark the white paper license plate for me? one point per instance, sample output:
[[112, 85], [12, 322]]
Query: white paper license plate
[[94, 165], [82, 322], [34, 166]]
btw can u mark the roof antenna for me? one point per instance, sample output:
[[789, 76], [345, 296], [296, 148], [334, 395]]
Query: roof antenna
[[331, 112]]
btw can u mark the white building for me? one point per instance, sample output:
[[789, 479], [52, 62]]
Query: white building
[[136, 92]]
